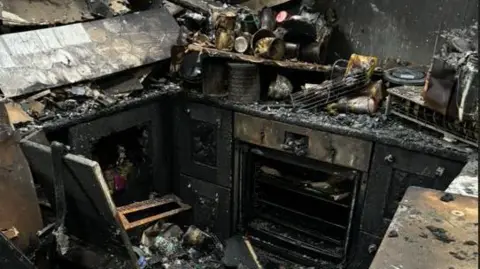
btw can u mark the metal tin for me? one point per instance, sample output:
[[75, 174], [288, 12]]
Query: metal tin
[[291, 50], [243, 82], [241, 44]]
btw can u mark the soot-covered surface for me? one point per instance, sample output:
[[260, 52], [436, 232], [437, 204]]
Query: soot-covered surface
[[376, 128]]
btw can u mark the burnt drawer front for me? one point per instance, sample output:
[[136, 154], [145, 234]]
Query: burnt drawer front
[[210, 204], [393, 171], [363, 251], [336, 149], [203, 137]]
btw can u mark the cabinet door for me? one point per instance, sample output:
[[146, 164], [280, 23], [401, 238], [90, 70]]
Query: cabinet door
[[203, 137], [393, 170], [210, 204], [363, 251]]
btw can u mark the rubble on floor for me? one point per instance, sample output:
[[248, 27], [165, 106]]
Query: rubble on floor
[[166, 245]]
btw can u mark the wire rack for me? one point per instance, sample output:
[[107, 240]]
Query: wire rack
[[467, 131], [315, 96]]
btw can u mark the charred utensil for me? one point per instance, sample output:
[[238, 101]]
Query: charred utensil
[[262, 33]]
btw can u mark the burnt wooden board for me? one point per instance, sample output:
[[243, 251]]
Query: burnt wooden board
[[431, 233], [211, 52], [91, 212], [46, 58], [18, 199]]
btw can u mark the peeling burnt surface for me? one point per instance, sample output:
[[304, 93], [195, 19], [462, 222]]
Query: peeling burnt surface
[[374, 128]]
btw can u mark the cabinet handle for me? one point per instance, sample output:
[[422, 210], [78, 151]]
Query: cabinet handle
[[439, 172], [187, 111], [389, 158], [372, 248]]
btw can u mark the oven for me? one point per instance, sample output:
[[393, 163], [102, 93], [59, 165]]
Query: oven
[[295, 194]]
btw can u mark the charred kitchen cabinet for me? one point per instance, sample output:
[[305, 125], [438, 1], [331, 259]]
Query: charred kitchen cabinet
[[363, 250], [392, 171], [204, 143], [203, 159]]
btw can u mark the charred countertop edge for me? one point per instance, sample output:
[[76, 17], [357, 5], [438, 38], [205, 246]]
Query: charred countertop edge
[[452, 153], [466, 183], [150, 98], [449, 153]]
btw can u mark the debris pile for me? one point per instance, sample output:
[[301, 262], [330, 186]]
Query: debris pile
[[168, 246]]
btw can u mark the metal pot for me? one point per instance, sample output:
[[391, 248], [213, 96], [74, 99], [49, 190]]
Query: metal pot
[[270, 48], [311, 53], [262, 33], [291, 50]]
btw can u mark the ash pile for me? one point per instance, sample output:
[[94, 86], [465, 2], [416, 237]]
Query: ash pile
[[166, 245]]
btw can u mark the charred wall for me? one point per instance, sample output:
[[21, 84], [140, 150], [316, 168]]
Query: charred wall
[[396, 29]]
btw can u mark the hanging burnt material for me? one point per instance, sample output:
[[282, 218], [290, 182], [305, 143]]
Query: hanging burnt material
[[214, 75], [243, 82], [315, 96]]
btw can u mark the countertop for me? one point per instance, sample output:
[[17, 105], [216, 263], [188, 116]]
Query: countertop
[[377, 128], [430, 232]]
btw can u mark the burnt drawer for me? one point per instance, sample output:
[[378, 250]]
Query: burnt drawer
[[203, 136], [393, 170], [327, 147], [210, 204]]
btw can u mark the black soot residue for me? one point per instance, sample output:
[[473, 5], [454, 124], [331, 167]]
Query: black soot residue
[[440, 234], [447, 197]]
